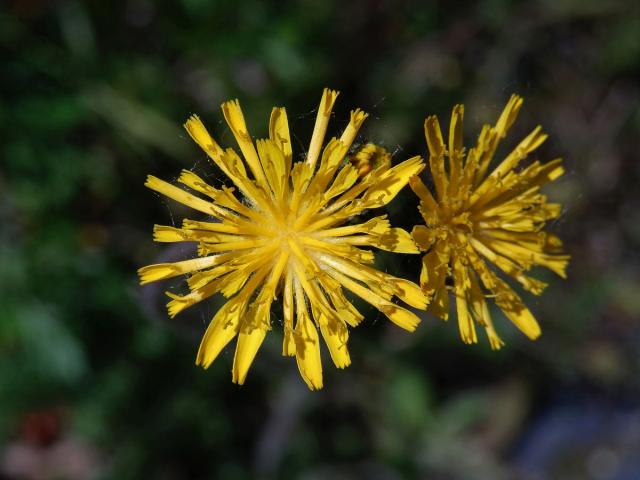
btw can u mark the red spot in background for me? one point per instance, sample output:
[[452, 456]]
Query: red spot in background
[[42, 427]]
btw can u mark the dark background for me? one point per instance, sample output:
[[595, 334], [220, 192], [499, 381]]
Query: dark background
[[96, 382]]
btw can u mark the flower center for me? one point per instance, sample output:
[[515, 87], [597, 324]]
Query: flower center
[[462, 223], [285, 233]]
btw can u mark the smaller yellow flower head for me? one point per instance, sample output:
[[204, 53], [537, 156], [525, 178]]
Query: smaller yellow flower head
[[288, 237], [474, 217]]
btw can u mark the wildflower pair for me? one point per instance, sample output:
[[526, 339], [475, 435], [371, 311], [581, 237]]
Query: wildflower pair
[[286, 230]]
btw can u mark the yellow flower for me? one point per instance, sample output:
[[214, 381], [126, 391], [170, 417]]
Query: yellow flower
[[474, 217], [288, 236]]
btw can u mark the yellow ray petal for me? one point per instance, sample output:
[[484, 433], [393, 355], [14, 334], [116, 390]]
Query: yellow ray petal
[[200, 279], [288, 344], [377, 225], [524, 148], [527, 257], [249, 339], [198, 132], [179, 303], [235, 119], [161, 271], [440, 303], [462, 286], [508, 301], [181, 196], [348, 199], [307, 344], [217, 280], [344, 307], [549, 172], [274, 166], [228, 161], [167, 234], [239, 227], [342, 249], [516, 311], [241, 244], [332, 155], [163, 233], [508, 115], [345, 179], [455, 149], [490, 136], [221, 330], [196, 183], [301, 175], [357, 118], [483, 152], [517, 185], [423, 193], [394, 240], [308, 353], [236, 168], [408, 292], [336, 336], [481, 313], [388, 184], [397, 240], [320, 127], [435, 268], [279, 133], [433, 133], [398, 315], [374, 279], [531, 284], [248, 345]]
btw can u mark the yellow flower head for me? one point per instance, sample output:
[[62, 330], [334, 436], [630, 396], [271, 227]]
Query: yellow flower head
[[286, 237], [474, 216]]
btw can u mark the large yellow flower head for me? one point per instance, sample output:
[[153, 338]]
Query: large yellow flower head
[[288, 235], [475, 216]]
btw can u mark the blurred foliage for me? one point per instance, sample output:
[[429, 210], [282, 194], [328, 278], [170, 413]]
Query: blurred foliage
[[95, 382]]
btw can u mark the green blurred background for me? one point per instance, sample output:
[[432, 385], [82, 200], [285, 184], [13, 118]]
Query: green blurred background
[[96, 382]]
